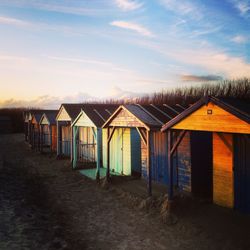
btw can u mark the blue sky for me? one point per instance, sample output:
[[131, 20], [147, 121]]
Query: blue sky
[[60, 50]]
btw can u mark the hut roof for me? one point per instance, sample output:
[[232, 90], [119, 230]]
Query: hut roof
[[99, 113], [152, 116], [73, 109], [238, 107], [51, 116]]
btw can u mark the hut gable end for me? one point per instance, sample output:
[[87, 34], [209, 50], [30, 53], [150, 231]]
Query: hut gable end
[[211, 117], [83, 121], [44, 120], [125, 119], [63, 115]]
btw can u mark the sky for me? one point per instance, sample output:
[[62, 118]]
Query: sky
[[54, 51]]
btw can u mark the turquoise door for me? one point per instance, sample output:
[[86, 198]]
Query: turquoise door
[[116, 151]]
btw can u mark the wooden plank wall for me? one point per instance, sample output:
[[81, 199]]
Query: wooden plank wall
[[125, 119], [223, 191], [159, 157], [54, 137], [220, 121], [135, 150], [184, 164], [143, 160]]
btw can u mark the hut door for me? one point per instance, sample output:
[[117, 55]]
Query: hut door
[[201, 164], [242, 172], [66, 140], [116, 152], [126, 152]]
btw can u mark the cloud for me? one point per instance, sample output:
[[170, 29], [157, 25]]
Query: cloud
[[239, 39], [128, 5], [196, 78], [46, 101], [184, 8], [13, 21], [67, 7], [242, 6], [133, 26], [54, 102]]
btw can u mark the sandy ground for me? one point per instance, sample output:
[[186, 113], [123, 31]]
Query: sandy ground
[[46, 205]]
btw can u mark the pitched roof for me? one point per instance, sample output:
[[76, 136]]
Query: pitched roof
[[73, 109], [153, 116], [38, 113], [99, 113], [51, 116], [238, 107]]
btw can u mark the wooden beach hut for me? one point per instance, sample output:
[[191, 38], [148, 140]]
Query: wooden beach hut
[[135, 143], [222, 126], [87, 136], [28, 119], [65, 116], [48, 135], [35, 129]]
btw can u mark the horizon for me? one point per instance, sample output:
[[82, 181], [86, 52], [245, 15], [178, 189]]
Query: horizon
[[54, 52]]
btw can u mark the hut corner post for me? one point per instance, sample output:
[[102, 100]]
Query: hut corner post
[[74, 146], [41, 138], [98, 152], [109, 137], [71, 144], [58, 131], [108, 157], [149, 174], [170, 168], [50, 135]]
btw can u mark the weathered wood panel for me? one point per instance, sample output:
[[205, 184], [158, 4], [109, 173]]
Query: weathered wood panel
[[184, 164], [84, 121], [159, 167], [125, 119], [219, 121], [104, 148], [223, 191], [63, 115], [135, 150], [143, 160], [54, 137], [44, 120], [126, 152]]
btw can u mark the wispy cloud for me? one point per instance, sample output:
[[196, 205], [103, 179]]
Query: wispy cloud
[[242, 6], [13, 21], [128, 5], [183, 8], [239, 39], [133, 26], [72, 7], [196, 78]]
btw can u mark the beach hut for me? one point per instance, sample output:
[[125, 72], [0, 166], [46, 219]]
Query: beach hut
[[48, 135], [65, 116], [222, 126], [35, 129], [135, 144], [28, 118], [87, 136]]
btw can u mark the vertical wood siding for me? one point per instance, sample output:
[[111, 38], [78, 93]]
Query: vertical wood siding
[[54, 138], [184, 164], [66, 140], [222, 171], [159, 157]]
